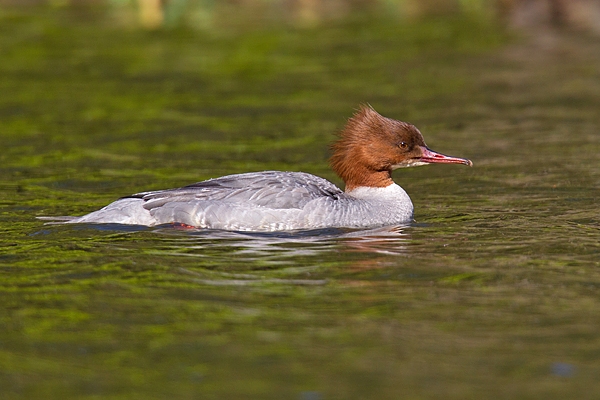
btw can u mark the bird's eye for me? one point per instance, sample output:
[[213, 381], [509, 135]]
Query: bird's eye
[[403, 145]]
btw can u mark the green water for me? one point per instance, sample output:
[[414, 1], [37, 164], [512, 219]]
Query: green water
[[494, 292]]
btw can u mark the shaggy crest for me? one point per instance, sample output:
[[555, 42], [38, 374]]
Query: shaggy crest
[[365, 153]]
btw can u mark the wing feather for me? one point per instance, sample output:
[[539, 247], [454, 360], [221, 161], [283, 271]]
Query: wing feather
[[270, 189]]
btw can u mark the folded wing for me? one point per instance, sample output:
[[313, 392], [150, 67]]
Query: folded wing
[[270, 189]]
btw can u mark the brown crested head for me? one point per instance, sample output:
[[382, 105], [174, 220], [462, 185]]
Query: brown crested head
[[371, 146]]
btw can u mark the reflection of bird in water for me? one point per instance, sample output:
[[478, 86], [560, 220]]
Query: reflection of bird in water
[[310, 252]]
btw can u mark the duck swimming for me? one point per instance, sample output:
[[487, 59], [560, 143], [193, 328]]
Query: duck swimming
[[369, 148]]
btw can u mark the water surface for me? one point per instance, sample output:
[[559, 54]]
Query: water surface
[[494, 291]]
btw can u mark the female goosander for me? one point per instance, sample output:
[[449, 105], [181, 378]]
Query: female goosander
[[369, 148]]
